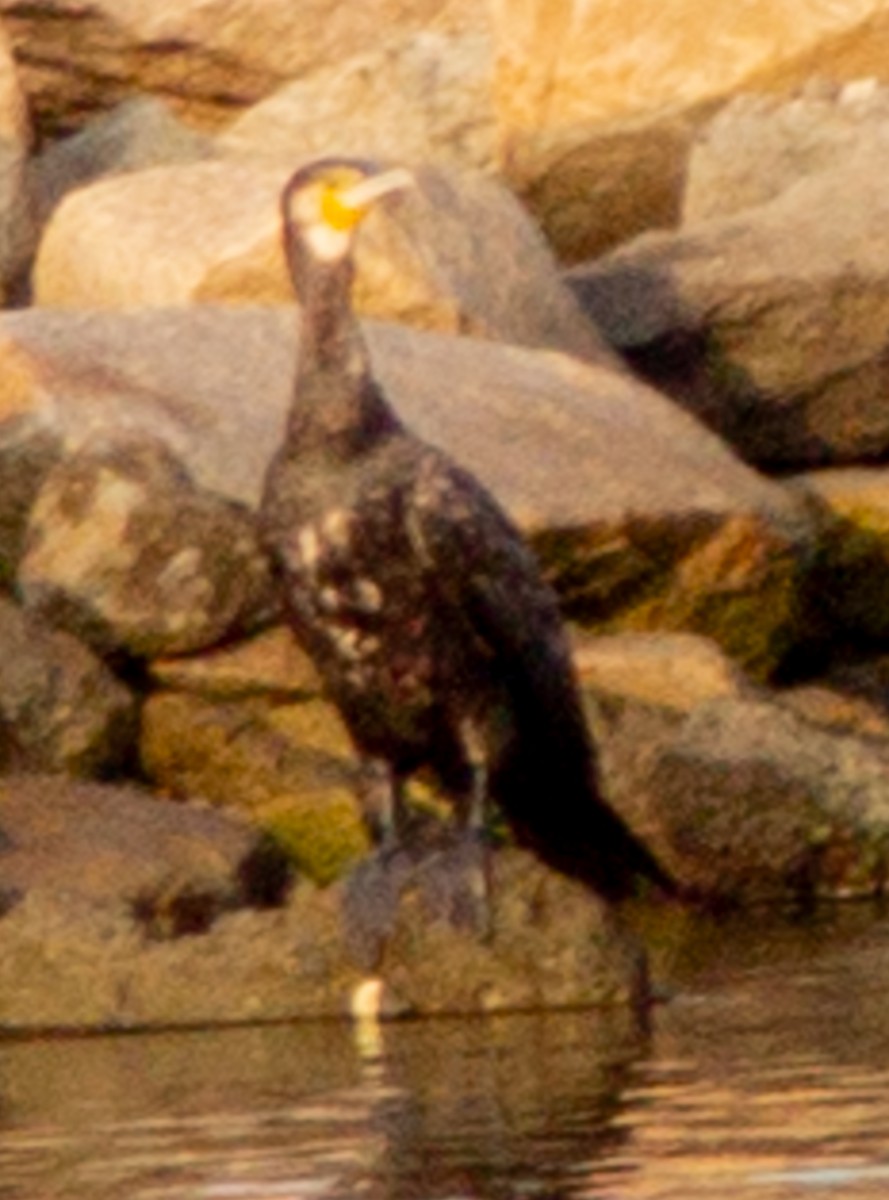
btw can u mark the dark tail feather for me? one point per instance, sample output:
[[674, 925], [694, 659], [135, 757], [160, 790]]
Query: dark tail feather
[[546, 783]]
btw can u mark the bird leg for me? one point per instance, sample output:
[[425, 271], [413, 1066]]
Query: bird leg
[[373, 889], [471, 811], [471, 803], [381, 795]]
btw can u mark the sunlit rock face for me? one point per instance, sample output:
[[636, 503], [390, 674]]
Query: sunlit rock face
[[597, 103]]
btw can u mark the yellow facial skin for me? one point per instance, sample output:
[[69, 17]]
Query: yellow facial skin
[[336, 212], [342, 207]]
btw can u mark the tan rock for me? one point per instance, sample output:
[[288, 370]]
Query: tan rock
[[67, 964], [424, 98], [772, 323], [294, 774], [150, 238], [211, 56], [270, 663], [852, 695], [643, 518], [759, 145], [457, 254], [829, 705], [673, 671], [581, 85]]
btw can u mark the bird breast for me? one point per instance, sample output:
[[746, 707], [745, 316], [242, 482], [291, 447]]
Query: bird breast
[[364, 615]]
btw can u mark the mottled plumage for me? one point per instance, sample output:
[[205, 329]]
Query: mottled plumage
[[414, 593]]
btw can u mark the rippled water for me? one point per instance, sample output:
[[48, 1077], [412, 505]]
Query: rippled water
[[766, 1076]]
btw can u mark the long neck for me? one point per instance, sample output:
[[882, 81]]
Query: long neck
[[337, 409]]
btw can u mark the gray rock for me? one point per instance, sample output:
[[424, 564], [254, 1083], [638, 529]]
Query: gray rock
[[753, 802], [139, 133], [65, 709], [124, 551], [169, 868], [770, 324], [641, 516]]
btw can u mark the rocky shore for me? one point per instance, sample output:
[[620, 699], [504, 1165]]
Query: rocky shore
[[652, 320]]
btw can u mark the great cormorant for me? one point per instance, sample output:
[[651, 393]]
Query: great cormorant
[[416, 596]]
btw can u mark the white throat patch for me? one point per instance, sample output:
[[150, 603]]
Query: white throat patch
[[328, 244]]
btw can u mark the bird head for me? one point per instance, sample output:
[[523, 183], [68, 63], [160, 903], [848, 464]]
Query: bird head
[[324, 203]]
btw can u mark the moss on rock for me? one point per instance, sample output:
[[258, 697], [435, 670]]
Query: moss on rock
[[252, 755]]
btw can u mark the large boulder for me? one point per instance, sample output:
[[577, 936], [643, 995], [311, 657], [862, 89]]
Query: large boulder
[[70, 961], [771, 323], [457, 253], [64, 708], [747, 800], [138, 134], [746, 795], [760, 144], [173, 868], [211, 56], [424, 98], [597, 103], [124, 551], [641, 516]]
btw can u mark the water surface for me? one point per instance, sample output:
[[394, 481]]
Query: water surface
[[765, 1077]]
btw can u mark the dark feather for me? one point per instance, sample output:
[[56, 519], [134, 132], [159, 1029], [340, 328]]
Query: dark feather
[[422, 605]]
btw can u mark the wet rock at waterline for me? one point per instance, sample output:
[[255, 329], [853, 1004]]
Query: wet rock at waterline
[[101, 956]]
